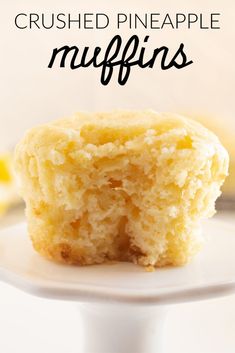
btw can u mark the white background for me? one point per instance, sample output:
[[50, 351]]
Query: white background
[[29, 324]]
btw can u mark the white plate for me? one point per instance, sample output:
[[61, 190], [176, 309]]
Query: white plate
[[212, 273]]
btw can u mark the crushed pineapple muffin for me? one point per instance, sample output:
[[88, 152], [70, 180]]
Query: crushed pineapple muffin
[[8, 190], [129, 186], [225, 133]]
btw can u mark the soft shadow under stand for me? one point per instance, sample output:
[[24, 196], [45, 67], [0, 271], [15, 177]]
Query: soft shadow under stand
[[123, 307]]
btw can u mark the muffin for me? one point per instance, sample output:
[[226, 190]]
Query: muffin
[[123, 185], [225, 132], [8, 190]]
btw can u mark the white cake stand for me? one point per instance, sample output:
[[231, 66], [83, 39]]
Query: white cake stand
[[123, 306]]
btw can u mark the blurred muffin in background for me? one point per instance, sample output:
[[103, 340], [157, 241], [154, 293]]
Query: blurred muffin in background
[[226, 134], [8, 190]]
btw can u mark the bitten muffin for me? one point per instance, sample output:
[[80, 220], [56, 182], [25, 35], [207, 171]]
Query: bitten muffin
[[128, 186], [225, 132]]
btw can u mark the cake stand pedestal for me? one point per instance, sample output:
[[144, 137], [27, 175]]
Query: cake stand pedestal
[[123, 307], [113, 328]]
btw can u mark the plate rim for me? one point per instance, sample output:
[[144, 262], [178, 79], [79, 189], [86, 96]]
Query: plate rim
[[94, 293]]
